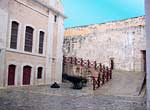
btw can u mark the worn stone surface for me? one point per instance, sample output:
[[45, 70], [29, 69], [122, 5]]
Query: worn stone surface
[[118, 94], [121, 41], [46, 98]]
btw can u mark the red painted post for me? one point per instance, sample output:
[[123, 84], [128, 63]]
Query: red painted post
[[89, 64], [95, 65], [107, 74], [110, 73], [81, 62], [103, 74], [100, 67], [94, 84], [99, 79], [75, 60], [103, 78]]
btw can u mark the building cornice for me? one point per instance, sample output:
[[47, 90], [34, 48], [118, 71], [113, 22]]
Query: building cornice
[[18, 1], [51, 8]]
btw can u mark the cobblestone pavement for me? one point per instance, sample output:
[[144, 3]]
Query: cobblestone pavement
[[65, 98]]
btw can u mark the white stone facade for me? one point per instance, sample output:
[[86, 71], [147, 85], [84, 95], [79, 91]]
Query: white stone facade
[[120, 41], [40, 15]]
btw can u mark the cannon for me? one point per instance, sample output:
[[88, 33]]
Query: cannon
[[77, 81]]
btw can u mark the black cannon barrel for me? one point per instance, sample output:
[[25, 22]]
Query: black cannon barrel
[[73, 79], [76, 80]]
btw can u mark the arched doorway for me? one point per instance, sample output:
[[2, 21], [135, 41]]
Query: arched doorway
[[26, 75], [11, 74]]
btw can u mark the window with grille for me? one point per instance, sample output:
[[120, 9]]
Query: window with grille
[[39, 73], [41, 42], [14, 35], [28, 39]]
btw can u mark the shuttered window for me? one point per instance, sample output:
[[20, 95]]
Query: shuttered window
[[41, 42], [28, 39], [39, 73], [14, 35]]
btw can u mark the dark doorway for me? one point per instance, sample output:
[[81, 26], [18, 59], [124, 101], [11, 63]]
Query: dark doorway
[[112, 63], [144, 59], [11, 74], [26, 75]]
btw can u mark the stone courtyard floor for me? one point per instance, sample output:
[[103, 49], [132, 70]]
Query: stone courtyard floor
[[65, 98]]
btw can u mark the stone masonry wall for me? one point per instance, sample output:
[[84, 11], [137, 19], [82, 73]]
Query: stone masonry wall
[[120, 41]]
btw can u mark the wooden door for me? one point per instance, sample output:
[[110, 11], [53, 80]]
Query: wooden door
[[144, 59], [26, 75], [11, 74]]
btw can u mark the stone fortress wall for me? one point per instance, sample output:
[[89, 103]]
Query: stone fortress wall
[[120, 42]]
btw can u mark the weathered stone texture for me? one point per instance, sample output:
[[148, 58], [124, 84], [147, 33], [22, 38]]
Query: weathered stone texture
[[122, 41], [46, 98]]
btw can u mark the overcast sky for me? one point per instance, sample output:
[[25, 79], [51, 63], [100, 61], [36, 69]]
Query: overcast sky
[[85, 12]]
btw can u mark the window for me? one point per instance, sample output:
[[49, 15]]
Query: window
[[28, 39], [55, 18], [14, 34], [41, 42], [39, 73]]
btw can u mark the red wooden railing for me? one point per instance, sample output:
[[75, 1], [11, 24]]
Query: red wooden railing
[[100, 74]]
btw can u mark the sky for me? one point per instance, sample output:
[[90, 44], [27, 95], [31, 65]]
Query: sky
[[85, 12]]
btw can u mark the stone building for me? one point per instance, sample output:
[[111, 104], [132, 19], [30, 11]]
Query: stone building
[[120, 45], [31, 37], [147, 14]]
